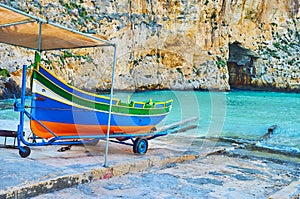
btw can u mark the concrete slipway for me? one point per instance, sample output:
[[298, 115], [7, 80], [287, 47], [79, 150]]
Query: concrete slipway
[[47, 170]]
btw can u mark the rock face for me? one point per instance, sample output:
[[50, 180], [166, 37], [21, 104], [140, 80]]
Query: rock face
[[207, 44]]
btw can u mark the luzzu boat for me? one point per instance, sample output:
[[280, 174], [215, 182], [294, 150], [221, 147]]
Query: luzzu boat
[[59, 109]]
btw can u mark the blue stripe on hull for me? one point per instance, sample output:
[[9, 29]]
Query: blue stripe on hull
[[63, 113]]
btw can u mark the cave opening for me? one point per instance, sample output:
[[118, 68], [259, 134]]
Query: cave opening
[[241, 66]]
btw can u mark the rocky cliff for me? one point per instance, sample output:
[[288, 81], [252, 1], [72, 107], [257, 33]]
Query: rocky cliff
[[170, 44]]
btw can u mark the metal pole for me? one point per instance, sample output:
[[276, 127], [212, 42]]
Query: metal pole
[[21, 106], [110, 106], [40, 37]]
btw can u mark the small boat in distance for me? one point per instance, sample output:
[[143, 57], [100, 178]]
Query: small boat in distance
[[59, 109]]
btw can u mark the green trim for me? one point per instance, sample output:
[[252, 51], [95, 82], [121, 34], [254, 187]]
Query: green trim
[[96, 105], [115, 100], [37, 60]]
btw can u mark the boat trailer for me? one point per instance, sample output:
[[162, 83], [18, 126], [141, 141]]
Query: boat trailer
[[139, 142]]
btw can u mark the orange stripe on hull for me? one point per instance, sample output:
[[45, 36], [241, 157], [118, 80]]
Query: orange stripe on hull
[[63, 129]]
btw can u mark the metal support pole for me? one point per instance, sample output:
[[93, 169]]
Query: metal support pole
[[21, 107], [40, 37], [110, 106]]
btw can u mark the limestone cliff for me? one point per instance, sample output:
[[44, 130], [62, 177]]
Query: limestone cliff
[[170, 44]]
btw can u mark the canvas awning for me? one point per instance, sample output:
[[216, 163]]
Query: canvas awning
[[21, 29]]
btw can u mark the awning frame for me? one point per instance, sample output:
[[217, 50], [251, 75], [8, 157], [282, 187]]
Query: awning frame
[[21, 105], [41, 21]]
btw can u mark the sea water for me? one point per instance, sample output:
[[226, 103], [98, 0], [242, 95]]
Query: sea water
[[246, 115], [239, 114]]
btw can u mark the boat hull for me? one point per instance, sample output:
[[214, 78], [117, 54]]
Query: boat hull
[[66, 120], [61, 110], [63, 129]]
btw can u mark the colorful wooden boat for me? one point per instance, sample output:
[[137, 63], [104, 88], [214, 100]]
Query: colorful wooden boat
[[65, 110]]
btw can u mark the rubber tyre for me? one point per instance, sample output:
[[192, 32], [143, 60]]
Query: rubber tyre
[[25, 153], [140, 146]]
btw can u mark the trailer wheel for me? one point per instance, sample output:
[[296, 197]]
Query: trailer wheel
[[24, 152], [140, 146]]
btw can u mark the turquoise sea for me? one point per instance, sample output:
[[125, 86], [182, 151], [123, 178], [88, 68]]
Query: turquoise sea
[[239, 114], [244, 115]]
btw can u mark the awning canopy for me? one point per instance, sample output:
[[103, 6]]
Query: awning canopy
[[21, 29]]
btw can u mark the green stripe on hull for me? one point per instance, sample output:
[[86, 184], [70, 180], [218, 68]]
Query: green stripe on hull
[[96, 105]]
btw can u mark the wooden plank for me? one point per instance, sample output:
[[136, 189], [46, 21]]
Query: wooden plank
[[175, 124], [184, 129], [8, 133]]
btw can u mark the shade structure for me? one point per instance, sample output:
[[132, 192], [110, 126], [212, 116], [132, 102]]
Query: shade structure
[[21, 29]]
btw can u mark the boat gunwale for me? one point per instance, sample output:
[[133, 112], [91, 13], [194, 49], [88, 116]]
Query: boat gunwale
[[70, 86], [99, 110], [166, 108]]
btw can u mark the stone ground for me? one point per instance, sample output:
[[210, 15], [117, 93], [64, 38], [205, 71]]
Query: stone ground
[[214, 176], [191, 168]]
